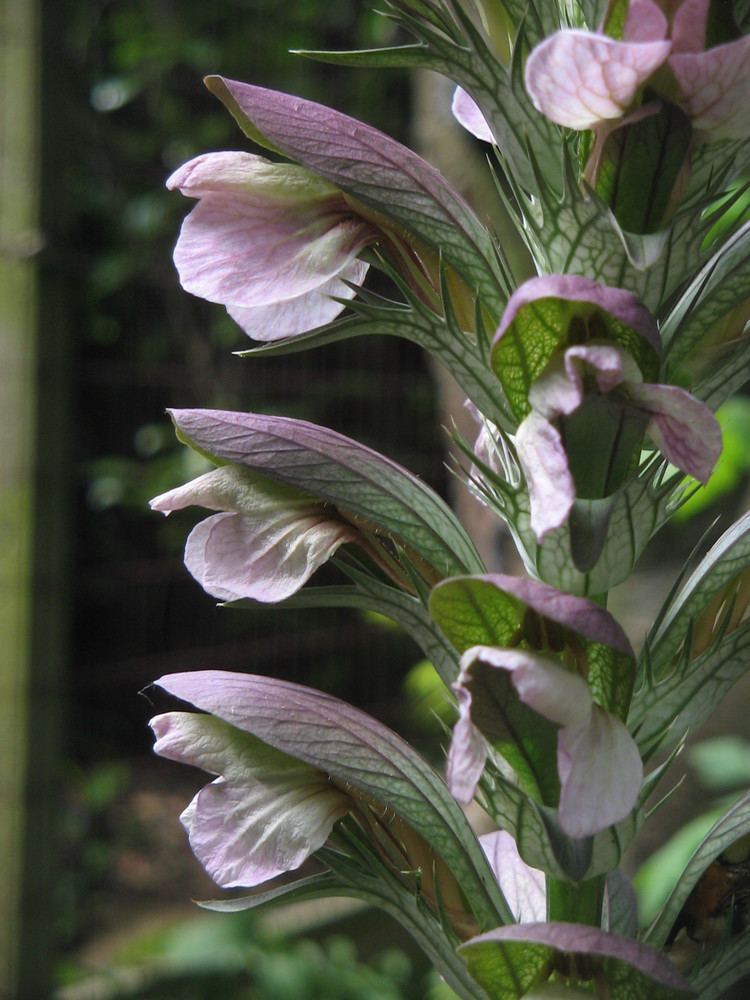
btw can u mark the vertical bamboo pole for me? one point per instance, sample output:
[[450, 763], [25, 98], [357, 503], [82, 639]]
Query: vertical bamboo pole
[[19, 156]]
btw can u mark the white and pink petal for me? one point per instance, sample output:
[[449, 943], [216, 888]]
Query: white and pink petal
[[689, 26], [645, 22], [266, 557], [524, 888], [548, 478], [305, 312], [266, 543], [683, 428], [600, 773], [579, 78], [242, 249], [551, 690], [264, 815], [238, 173], [468, 751], [598, 763], [467, 113], [559, 390], [715, 88]]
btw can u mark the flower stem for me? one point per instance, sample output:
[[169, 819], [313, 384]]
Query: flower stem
[[575, 902]]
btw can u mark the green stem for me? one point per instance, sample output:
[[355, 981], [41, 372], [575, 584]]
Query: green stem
[[576, 902]]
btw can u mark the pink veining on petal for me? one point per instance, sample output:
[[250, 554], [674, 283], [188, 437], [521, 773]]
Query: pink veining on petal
[[689, 26], [266, 543], [684, 429], [305, 312], [466, 112], [645, 22], [264, 815], [247, 250], [579, 78], [545, 465], [715, 88], [267, 558], [618, 302], [600, 774]]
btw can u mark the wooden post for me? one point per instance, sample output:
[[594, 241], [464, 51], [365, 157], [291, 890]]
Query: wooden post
[[25, 955]]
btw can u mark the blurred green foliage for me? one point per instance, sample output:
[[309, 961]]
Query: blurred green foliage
[[239, 957]]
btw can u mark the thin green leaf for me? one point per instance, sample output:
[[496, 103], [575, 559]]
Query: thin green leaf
[[661, 715], [725, 560], [720, 285], [394, 57], [313, 887], [733, 825]]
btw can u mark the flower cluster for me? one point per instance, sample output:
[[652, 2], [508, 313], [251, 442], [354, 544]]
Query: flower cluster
[[585, 435]]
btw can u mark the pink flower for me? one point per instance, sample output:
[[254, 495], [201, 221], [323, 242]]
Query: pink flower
[[289, 493], [598, 763], [289, 762], [265, 812], [270, 241], [572, 356], [524, 888], [267, 541], [529, 696], [582, 79]]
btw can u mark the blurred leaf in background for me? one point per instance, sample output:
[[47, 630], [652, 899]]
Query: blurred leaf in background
[[733, 464]]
